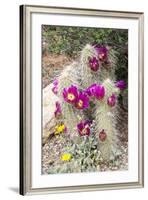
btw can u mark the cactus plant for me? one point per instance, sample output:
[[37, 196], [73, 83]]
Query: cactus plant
[[104, 114], [93, 68]]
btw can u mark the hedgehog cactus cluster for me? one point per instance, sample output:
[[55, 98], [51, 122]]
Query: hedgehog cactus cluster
[[89, 84]]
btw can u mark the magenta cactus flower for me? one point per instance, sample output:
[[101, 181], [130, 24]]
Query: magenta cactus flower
[[55, 90], [84, 128], [55, 82], [111, 101], [94, 64], [120, 84], [102, 135], [70, 94], [82, 101], [65, 130], [55, 86], [99, 92], [102, 53], [58, 110], [90, 91]]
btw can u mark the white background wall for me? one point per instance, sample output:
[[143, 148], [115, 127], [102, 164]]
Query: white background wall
[[9, 99]]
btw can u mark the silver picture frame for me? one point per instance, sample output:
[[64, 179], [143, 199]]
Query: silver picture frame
[[26, 95]]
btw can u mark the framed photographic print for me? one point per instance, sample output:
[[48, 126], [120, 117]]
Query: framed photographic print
[[81, 99]]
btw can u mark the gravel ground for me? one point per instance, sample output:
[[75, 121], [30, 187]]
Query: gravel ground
[[52, 151], [53, 148]]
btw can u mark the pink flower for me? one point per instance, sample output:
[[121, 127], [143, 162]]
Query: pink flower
[[84, 128], [65, 130], [58, 110], [94, 64], [55, 82], [82, 101], [120, 84], [96, 90], [55, 86], [70, 94], [102, 135], [111, 101], [90, 91], [99, 92], [102, 53]]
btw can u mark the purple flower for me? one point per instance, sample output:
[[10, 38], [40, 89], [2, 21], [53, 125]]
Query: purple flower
[[70, 94], [55, 86], [102, 135], [55, 90], [111, 101], [65, 130], [94, 64], [120, 84], [84, 128], [55, 82], [95, 90], [102, 52], [99, 92], [90, 91], [82, 101], [58, 110]]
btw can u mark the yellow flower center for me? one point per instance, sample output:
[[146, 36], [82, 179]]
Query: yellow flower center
[[80, 103], [66, 157], [84, 131], [70, 96]]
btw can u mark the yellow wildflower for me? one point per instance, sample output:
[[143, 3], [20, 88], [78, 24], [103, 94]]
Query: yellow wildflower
[[59, 129], [66, 157]]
